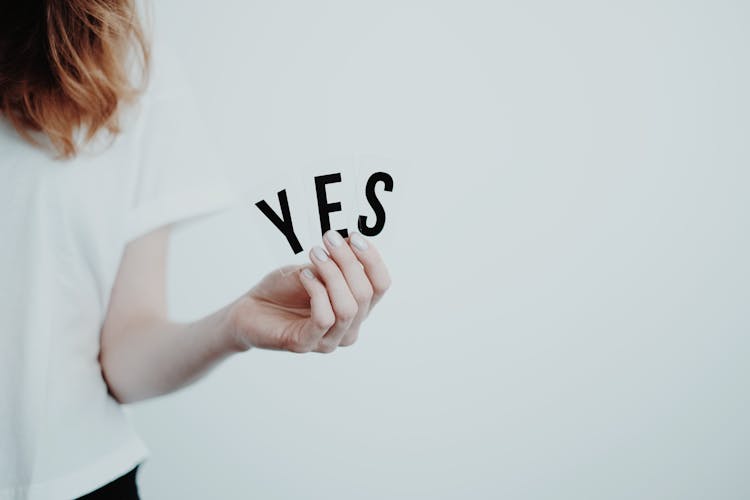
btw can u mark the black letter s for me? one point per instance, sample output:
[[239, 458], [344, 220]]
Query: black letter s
[[377, 207]]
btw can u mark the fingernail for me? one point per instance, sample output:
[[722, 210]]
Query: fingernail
[[358, 241], [308, 273], [334, 238], [320, 254]]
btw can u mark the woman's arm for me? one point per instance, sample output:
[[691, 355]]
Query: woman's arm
[[143, 354]]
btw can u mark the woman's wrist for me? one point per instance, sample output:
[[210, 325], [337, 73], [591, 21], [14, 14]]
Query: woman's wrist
[[238, 313]]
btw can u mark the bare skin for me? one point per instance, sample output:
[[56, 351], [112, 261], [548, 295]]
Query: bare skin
[[144, 354]]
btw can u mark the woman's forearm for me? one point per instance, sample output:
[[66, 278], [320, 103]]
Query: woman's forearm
[[152, 357], [316, 307]]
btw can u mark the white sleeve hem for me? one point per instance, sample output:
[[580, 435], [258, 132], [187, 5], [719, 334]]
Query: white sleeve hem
[[179, 207]]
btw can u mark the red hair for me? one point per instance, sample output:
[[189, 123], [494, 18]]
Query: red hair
[[64, 67]]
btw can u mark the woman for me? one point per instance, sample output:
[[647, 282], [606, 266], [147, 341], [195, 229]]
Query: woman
[[97, 162]]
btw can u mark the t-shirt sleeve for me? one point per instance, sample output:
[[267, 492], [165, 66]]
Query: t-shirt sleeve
[[178, 172]]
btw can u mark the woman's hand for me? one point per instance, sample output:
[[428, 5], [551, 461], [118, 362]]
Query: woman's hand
[[313, 308]]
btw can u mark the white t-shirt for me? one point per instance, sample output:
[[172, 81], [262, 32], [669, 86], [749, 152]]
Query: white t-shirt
[[63, 229]]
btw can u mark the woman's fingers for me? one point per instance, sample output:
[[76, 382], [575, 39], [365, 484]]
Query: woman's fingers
[[322, 317], [351, 278], [354, 274], [343, 303], [374, 267]]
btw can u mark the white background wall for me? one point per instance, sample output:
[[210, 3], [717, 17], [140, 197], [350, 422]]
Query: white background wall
[[569, 315]]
